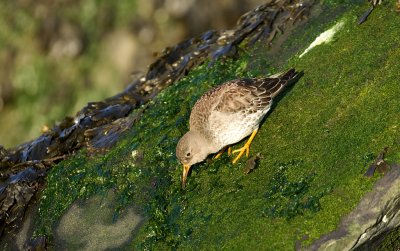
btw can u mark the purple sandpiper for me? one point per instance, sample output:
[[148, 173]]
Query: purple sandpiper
[[226, 114]]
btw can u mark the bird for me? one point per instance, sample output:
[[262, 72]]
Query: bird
[[227, 114]]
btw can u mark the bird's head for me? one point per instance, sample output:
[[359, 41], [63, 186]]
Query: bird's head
[[192, 148]]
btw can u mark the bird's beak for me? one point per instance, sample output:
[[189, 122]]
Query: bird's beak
[[186, 169]]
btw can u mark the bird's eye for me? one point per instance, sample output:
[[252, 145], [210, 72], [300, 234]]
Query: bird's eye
[[188, 155]]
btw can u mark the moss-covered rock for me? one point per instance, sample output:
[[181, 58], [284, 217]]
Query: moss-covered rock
[[315, 146]]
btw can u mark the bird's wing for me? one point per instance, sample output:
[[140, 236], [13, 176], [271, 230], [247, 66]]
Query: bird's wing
[[254, 94], [243, 95]]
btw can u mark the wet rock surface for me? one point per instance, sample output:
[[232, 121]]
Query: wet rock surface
[[98, 125]]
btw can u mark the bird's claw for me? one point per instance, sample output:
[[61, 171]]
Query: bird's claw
[[245, 148]]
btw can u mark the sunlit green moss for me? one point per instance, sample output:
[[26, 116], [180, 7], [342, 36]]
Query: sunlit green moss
[[325, 130]]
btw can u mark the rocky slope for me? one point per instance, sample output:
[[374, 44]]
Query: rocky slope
[[308, 190]]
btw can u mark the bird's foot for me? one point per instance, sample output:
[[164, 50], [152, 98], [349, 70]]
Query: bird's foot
[[241, 151], [222, 151], [245, 148]]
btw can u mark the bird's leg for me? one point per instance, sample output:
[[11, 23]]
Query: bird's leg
[[245, 148], [222, 151], [229, 151]]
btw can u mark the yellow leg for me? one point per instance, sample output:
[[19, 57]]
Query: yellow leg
[[222, 151], [245, 148]]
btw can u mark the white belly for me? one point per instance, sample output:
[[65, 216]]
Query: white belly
[[231, 128]]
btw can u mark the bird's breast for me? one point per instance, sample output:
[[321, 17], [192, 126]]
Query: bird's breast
[[227, 129]]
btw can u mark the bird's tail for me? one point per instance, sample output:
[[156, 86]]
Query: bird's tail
[[277, 82]]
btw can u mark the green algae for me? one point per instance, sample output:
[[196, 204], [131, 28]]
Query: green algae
[[315, 146], [288, 197]]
